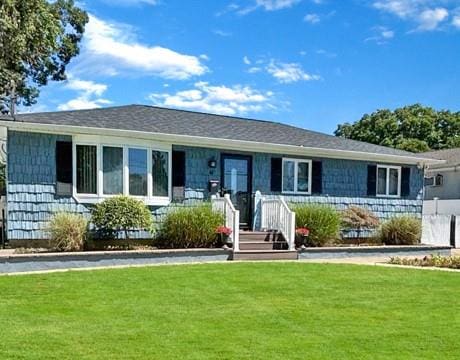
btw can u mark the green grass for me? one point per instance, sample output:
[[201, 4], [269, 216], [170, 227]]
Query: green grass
[[232, 311]]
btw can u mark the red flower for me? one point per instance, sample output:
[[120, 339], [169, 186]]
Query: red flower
[[302, 231], [223, 230]]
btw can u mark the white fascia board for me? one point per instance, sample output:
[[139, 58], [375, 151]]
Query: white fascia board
[[229, 144]]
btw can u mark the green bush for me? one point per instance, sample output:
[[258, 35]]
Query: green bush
[[190, 227], [121, 213], [322, 221], [402, 230], [67, 232]]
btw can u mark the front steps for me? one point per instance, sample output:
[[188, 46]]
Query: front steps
[[265, 255], [263, 245]]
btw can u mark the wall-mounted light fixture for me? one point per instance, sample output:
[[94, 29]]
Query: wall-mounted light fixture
[[212, 163]]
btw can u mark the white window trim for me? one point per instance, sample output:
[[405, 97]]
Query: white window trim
[[100, 142], [296, 174], [387, 182]]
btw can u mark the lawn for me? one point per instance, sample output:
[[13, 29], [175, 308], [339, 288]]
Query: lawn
[[232, 311]]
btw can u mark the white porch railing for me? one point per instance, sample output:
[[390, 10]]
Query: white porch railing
[[276, 215], [232, 217]]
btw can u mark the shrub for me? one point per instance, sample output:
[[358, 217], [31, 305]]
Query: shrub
[[403, 230], [322, 221], [121, 213], [67, 232], [191, 227], [358, 218]]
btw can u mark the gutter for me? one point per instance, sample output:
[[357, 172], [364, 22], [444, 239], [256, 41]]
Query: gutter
[[237, 145]]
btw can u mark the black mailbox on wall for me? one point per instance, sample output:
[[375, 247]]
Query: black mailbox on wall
[[213, 187]]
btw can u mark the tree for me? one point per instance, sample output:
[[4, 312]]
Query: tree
[[413, 128], [37, 41]]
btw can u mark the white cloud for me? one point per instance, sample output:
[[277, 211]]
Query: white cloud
[[221, 99], [312, 18], [246, 60], [89, 95], [401, 8], [131, 2], [456, 21], [430, 19], [382, 35], [111, 47], [427, 14], [326, 53], [267, 5], [86, 86], [271, 5], [254, 69], [289, 72], [222, 33]]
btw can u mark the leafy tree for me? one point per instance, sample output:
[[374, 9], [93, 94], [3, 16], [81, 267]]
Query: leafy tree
[[413, 128], [38, 39]]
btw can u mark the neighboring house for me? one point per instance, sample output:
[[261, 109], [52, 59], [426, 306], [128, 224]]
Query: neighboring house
[[66, 161], [443, 180]]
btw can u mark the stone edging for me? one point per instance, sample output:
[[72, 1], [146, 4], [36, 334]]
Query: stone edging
[[18, 263]]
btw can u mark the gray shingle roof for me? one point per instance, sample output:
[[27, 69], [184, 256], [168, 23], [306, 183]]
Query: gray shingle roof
[[451, 156], [180, 122]]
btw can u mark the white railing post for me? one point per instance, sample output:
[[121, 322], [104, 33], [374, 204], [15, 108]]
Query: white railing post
[[236, 230], [292, 232]]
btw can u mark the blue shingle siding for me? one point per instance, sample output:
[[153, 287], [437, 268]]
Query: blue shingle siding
[[31, 192], [32, 198]]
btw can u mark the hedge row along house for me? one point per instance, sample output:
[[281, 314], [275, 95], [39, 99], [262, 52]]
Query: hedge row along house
[[66, 161]]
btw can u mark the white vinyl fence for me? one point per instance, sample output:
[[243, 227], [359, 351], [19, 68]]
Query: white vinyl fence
[[441, 207], [437, 226], [436, 229]]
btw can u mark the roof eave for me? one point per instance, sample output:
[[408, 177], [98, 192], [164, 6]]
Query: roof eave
[[202, 141]]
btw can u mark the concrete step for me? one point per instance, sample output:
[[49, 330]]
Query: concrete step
[[265, 255], [256, 245], [258, 236]]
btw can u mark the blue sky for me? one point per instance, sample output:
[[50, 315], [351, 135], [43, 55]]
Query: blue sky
[[311, 63]]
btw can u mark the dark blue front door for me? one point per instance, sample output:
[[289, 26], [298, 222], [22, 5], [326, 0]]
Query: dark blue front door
[[236, 181]]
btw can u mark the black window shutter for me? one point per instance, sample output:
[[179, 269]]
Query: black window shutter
[[371, 180], [64, 162], [276, 174], [317, 177], [405, 181], [178, 168]]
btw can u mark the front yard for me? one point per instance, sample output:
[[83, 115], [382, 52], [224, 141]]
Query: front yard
[[232, 311]]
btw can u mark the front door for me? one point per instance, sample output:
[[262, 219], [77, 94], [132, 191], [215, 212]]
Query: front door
[[236, 181]]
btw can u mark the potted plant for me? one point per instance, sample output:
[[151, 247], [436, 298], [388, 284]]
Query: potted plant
[[302, 234], [224, 233]]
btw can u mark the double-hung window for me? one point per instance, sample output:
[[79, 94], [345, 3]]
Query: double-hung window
[[103, 170], [112, 170], [137, 167], [86, 169], [296, 176], [388, 181]]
